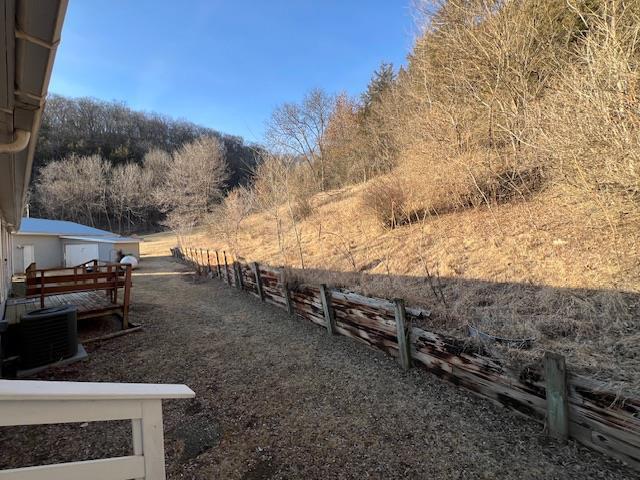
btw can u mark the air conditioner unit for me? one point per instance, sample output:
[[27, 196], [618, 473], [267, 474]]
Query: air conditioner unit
[[48, 335]]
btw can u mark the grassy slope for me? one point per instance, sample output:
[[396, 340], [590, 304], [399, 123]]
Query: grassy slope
[[528, 269]]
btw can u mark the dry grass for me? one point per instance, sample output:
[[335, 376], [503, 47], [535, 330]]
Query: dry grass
[[518, 269], [158, 244]]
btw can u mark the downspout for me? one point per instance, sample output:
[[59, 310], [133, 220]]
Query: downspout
[[20, 142]]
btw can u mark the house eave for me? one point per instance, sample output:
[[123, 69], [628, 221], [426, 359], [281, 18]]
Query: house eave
[[29, 37]]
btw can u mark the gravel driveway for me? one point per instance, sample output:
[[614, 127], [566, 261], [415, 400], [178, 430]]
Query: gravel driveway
[[277, 398]]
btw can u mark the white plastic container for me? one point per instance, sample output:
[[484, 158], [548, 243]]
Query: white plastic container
[[130, 260]]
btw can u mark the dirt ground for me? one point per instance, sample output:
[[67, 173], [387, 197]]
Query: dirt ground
[[278, 398]]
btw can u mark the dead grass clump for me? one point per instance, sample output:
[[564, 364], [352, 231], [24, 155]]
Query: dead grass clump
[[559, 327], [301, 208], [386, 199], [510, 184], [438, 185]]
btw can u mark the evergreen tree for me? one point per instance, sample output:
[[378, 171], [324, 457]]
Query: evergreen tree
[[381, 82]]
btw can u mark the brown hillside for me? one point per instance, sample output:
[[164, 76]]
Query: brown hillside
[[540, 268]]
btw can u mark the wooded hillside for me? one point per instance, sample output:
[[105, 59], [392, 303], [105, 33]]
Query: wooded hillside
[[115, 138]]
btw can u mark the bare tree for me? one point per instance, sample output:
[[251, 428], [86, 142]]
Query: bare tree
[[227, 219], [76, 188], [268, 187], [194, 182], [157, 162], [129, 194], [345, 144], [298, 129]]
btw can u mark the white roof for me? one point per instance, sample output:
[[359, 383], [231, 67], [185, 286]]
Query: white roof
[[69, 230]]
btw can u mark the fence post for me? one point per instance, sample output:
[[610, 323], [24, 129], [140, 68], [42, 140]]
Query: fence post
[[218, 265], [226, 267], [256, 272], [325, 296], [238, 272], [287, 298], [153, 439], [557, 400], [127, 296], [402, 334]]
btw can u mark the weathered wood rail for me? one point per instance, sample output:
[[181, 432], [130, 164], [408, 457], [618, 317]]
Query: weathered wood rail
[[92, 276], [603, 420]]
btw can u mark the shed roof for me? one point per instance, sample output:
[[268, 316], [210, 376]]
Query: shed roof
[[69, 230]]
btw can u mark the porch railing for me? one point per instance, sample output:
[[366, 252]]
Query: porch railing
[[93, 275], [38, 402]]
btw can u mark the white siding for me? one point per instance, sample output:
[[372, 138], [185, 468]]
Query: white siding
[[6, 269], [108, 251], [47, 250]]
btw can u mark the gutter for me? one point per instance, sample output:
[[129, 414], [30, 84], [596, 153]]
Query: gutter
[[20, 142]]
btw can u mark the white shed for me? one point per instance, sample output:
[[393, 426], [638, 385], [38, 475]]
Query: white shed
[[58, 243]]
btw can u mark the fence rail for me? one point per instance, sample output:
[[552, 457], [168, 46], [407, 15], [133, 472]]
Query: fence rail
[[571, 406]]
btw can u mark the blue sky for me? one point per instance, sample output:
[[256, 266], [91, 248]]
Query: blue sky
[[226, 64]]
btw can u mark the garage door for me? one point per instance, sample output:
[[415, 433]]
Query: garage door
[[77, 254]]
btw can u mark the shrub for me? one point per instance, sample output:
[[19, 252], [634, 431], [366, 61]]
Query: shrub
[[386, 199], [301, 208], [300, 186], [439, 182]]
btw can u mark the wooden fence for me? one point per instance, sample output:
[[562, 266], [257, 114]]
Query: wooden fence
[[569, 405]]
